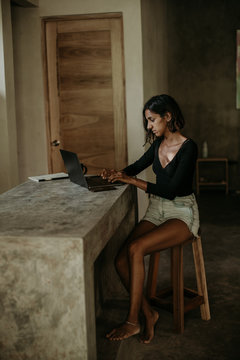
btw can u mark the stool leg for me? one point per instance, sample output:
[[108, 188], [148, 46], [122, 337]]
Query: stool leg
[[201, 277], [178, 288], [152, 275]]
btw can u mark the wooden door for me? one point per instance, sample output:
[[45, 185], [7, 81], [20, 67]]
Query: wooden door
[[85, 96]]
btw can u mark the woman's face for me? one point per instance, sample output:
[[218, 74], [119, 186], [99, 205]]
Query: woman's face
[[156, 123]]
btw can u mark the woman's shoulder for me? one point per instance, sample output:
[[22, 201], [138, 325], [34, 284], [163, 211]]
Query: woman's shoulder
[[189, 143], [155, 143]]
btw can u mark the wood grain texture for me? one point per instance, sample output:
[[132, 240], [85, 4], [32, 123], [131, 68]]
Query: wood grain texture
[[85, 60], [88, 85], [46, 93], [54, 126], [118, 94], [201, 277], [178, 288], [83, 17], [85, 75], [83, 25]]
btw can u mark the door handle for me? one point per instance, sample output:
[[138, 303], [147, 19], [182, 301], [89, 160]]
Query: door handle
[[55, 143]]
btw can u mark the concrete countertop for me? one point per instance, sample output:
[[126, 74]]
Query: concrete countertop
[[53, 208]]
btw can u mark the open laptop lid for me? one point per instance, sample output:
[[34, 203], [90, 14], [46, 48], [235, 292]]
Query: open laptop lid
[[73, 167]]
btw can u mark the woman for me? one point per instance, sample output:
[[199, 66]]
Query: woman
[[172, 216]]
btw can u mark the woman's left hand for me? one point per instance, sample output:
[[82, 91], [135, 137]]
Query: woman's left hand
[[119, 176]]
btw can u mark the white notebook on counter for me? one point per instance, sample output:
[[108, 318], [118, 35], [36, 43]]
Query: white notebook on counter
[[49, 177]]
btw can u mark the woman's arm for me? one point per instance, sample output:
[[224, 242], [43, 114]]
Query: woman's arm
[[121, 176], [145, 160], [126, 175]]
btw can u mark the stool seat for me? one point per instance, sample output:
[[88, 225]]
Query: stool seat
[[182, 299]]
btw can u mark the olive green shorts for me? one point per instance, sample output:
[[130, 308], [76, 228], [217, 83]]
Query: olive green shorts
[[184, 208]]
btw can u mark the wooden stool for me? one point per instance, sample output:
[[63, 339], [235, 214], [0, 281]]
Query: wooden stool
[[183, 299]]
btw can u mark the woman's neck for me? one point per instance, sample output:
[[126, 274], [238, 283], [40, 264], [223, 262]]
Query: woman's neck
[[171, 139]]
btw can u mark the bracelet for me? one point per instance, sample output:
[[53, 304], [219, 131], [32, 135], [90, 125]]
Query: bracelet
[[130, 323]]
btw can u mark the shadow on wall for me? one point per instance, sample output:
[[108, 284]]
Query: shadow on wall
[[4, 159], [202, 80], [8, 146]]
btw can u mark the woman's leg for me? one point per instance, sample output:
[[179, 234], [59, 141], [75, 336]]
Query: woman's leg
[[122, 267], [169, 234]]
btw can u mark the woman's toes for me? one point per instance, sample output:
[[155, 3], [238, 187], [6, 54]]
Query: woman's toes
[[124, 331], [149, 328], [111, 333], [146, 341]]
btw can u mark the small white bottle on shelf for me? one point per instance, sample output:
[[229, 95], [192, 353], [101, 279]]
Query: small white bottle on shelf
[[205, 150]]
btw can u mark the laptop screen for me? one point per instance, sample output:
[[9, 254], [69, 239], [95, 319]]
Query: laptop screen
[[73, 168]]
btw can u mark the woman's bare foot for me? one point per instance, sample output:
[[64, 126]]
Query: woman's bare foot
[[150, 323], [124, 331]]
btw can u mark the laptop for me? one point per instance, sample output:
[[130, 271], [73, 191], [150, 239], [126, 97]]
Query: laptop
[[75, 171]]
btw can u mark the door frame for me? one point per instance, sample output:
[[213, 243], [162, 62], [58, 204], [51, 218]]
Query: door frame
[[120, 131]]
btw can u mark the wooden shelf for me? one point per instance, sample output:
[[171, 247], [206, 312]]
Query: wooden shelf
[[211, 183], [211, 159]]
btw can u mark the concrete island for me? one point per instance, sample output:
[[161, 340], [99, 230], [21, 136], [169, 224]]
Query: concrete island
[[51, 234]]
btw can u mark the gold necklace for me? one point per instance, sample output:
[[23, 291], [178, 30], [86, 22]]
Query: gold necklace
[[173, 144]]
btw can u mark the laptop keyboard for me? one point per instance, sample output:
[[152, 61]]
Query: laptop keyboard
[[99, 181]]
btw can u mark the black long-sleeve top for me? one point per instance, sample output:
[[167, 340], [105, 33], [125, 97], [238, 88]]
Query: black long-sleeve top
[[176, 178]]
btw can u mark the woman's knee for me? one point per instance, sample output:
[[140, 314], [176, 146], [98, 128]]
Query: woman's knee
[[120, 261], [135, 249]]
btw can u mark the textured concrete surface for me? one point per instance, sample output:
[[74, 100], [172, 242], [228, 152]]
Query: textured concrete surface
[[50, 236], [217, 339]]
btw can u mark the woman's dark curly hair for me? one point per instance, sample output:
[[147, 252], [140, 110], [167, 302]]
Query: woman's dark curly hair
[[161, 104]]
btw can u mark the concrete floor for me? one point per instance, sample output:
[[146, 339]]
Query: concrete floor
[[202, 340]]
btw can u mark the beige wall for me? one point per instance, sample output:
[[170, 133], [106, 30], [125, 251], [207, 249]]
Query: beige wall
[[8, 138], [26, 3], [30, 111], [29, 78]]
